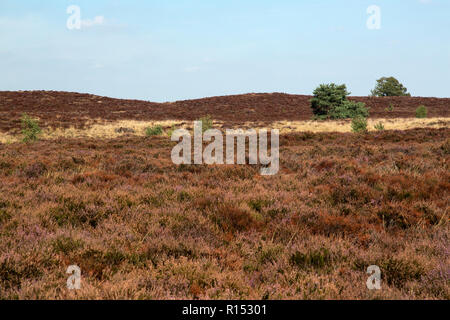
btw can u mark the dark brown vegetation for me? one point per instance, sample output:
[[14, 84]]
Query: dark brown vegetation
[[64, 109], [141, 227]]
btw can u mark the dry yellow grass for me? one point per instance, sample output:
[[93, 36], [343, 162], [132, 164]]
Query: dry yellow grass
[[108, 130], [345, 125]]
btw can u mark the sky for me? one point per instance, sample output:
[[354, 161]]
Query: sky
[[167, 50]]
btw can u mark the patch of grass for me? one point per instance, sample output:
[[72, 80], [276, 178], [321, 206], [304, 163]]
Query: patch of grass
[[154, 131], [316, 259], [96, 263], [259, 204], [4, 216], [183, 196], [379, 126], [12, 274], [35, 169], [390, 108], [75, 213], [269, 255], [66, 245], [395, 271], [392, 218], [233, 219]]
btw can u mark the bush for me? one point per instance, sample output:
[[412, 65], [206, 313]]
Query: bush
[[359, 125], [389, 87], [207, 123], [171, 131], [30, 128], [349, 109], [390, 108], [154, 131], [421, 112], [328, 96], [379, 126]]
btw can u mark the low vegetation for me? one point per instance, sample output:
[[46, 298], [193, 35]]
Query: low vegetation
[[140, 227], [379, 126], [154, 131], [359, 124], [421, 112], [207, 123]]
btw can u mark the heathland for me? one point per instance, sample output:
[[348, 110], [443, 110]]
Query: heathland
[[97, 192]]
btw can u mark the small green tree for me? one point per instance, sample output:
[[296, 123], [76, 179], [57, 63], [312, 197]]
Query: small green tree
[[389, 87], [154, 131], [30, 128], [359, 124], [207, 123], [421, 112], [328, 96], [349, 109]]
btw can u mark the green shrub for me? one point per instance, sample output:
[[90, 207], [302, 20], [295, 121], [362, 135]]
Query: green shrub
[[328, 96], [207, 123], [389, 87], [421, 112], [349, 109], [379, 126], [30, 128], [171, 131], [154, 131], [359, 125], [390, 108]]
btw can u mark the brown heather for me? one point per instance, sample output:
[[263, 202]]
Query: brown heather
[[142, 228]]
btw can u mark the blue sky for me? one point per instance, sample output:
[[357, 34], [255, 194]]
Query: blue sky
[[166, 50]]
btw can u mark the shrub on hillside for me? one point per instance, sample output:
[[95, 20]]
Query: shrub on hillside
[[328, 96], [154, 131], [389, 87], [207, 123], [349, 109], [421, 112], [30, 128], [359, 125]]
